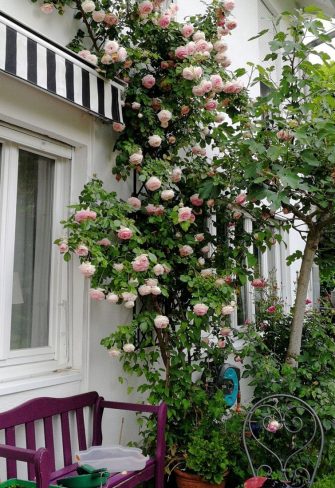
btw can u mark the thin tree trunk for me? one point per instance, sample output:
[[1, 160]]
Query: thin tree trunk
[[312, 244]]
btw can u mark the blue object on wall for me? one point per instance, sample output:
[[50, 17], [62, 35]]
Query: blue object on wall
[[229, 379]]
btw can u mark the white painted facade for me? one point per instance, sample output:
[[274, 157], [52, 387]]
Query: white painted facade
[[36, 121]]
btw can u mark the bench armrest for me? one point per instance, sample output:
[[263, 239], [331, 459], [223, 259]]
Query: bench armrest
[[40, 459]]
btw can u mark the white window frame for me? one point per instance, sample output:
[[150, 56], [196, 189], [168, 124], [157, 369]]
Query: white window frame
[[57, 354]]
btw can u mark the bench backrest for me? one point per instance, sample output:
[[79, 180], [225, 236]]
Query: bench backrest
[[45, 409]]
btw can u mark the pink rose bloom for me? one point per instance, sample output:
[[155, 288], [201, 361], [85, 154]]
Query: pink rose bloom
[[144, 290], [136, 106], [228, 279], [148, 81], [273, 426], [98, 15], [204, 249], [117, 127], [198, 91], [164, 117], [232, 87], [199, 35], [231, 24], [190, 48], [136, 158], [228, 5], [221, 344], [206, 273], [201, 261], [184, 214], [155, 141], [167, 195], [140, 263], [47, 8], [87, 269], [258, 283], [125, 234], [158, 269], [88, 6], [129, 304], [200, 309], [63, 247], [134, 202], [199, 237], [199, 151], [285, 135], [111, 19], [151, 282], [106, 59], [227, 310], [150, 209], [202, 45], [111, 47], [196, 201], [122, 55], [153, 183], [271, 309], [161, 322], [114, 352], [223, 60], [211, 105], [206, 85], [128, 296], [145, 8], [104, 242], [181, 52], [112, 298], [97, 294], [164, 21], [220, 46], [187, 30], [155, 290], [81, 250], [118, 267], [83, 215], [176, 175], [129, 347], [241, 198], [308, 301], [192, 73], [185, 251], [159, 210], [217, 83], [225, 331]]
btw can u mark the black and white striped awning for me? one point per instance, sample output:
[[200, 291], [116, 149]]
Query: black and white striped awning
[[31, 57]]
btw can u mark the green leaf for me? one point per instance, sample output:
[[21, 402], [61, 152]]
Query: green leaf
[[260, 34], [309, 157]]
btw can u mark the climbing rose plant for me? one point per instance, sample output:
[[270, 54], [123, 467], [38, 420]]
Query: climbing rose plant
[[157, 253]]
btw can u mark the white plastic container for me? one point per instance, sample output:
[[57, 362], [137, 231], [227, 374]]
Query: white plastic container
[[114, 458]]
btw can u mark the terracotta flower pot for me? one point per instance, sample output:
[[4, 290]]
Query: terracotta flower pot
[[188, 480]]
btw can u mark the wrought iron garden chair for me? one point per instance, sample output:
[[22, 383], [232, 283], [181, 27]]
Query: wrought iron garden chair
[[283, 437]]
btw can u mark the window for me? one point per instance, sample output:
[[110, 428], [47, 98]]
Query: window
[[34, 192]]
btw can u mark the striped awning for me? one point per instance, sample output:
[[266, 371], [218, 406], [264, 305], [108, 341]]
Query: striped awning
[[32, 58]]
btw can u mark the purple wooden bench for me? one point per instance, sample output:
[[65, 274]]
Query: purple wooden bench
[[41, 460]]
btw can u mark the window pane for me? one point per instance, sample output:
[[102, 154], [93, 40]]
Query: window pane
[[33, 242]]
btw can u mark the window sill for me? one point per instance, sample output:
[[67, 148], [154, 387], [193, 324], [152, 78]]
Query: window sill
[[40, 381]]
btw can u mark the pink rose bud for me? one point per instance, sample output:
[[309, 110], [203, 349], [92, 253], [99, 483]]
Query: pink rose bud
[[273, 426], [200, 309], [136, 158], [185, 251], [184, 214], [97, 294], [258, 283], [196, 200], [88, 6], [83, 215], [98, 15], [112, 298], [148, 81], [241, 198], [211, 105], [140, 263], [231, 24], [181, 52], [145, 8], [308, 301], [47, 8], [155, 141], [87, 269], [153, 183], [63, 247], [129, 347], [125, 234], [117, 127], [199, 237], [187, 30], [134, 202], [227, 310], [81, 250], [271, 309], [158, 269], [161, 322]]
